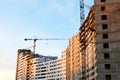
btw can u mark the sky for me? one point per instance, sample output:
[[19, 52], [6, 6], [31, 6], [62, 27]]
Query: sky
[[20, 19]]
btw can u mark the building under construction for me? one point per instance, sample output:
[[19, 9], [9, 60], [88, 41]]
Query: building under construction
[[107, 21], [88, 47], [75, 57], [95, 55], [81, 52]]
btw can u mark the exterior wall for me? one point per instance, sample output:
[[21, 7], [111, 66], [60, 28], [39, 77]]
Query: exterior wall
[[108, 58], [50, 70], [74, 57], [23, 70], [68, 63], [34, 62], [88, 48]]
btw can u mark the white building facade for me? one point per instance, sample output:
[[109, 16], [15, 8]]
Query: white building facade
[[50, 70]]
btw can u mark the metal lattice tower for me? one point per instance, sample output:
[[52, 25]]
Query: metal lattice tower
[[82, 15]]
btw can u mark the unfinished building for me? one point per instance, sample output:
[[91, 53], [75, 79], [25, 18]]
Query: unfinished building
[[107, 20], [74, 57], [81, 54], [88, 47]]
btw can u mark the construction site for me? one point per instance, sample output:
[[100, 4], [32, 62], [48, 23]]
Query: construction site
[[93, 53]]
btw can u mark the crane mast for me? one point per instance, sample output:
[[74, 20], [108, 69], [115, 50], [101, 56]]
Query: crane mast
[[82, 15], [34, 44]]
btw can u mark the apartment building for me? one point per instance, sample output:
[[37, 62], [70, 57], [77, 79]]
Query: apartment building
[[68, 63], [81, 52], [99, 48], [107, 20], [25, 59], [73, 58], [88, 47], [50, 70], [38, 67], [23, 71]]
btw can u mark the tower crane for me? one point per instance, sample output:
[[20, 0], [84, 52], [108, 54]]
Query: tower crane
[[35, 39], [82, 15]]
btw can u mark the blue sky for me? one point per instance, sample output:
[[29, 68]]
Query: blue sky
[[21, 19]]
